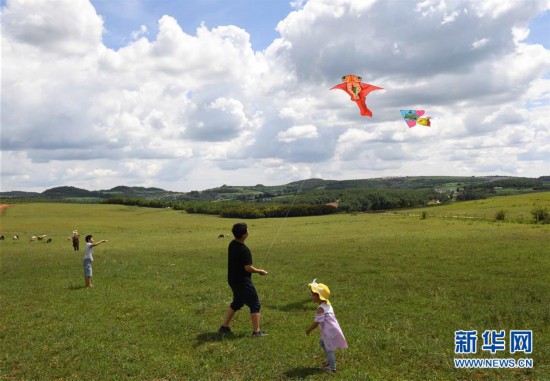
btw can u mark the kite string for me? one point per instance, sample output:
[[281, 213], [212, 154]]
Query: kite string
[[282, 223]]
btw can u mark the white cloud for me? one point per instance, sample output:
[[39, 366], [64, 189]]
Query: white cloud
[[167, 109], [139, 33], [450, 17], [307, 131], [68, 27], [480, 43]]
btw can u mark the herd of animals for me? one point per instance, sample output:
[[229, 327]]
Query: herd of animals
[[74, 238], [42, 237]]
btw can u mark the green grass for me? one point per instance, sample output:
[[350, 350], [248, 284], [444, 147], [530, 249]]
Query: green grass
[[400, 287], [517, 208]]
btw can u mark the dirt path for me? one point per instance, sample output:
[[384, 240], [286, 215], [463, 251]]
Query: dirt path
[[3, 207]]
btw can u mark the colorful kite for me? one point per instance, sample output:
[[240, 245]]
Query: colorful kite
[[357, 90], [412, 117]]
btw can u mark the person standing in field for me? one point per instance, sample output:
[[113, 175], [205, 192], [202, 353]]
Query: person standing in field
[[89, 258], [239, 277], [76, 240], [332, 337]]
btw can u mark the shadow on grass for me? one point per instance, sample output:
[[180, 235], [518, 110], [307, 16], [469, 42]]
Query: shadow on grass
[[300, 305], [73, 286], [215, 337], [302, 372]]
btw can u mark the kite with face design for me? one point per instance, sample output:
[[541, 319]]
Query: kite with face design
[[358, 91]]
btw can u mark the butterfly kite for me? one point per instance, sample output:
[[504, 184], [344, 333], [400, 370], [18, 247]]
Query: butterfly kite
[[414, 117], [358, 91]]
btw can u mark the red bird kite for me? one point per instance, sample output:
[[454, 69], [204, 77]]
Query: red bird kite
[[358, 91]]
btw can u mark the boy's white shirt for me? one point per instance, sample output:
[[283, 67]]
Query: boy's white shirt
[[89, 251]]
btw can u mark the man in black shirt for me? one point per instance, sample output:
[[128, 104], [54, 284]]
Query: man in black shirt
[[239, 277]]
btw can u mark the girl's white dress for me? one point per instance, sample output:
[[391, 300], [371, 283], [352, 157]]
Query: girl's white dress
[[331, 333]]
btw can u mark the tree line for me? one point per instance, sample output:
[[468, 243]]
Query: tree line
[[308, 204], [488, 189]]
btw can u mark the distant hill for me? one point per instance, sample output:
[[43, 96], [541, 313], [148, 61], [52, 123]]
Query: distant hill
[[61, 192], [19, 194], [456, 186], [136, 192], [68, 193]]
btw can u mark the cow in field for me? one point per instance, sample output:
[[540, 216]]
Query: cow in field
[[37, 237]]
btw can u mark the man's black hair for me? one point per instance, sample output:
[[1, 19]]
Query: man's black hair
[[239, 229]]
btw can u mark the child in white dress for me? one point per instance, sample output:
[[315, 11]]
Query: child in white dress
[[332, 337]]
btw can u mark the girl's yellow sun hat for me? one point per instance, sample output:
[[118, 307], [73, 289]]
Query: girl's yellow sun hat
[[320, 289]]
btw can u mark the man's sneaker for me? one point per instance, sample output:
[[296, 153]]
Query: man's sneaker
[[259, 334], [224, 330]]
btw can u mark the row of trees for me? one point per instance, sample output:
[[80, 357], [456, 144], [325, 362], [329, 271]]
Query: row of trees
[[488, 189], [517, 182], [365, 200], [232, 209], [314, 204], [271, 211], [308, 204]]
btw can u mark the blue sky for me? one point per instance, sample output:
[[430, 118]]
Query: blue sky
[[259, 17], [540, 30], [190, 95]]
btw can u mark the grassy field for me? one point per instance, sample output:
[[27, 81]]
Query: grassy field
[[401, 287], [517, 208]]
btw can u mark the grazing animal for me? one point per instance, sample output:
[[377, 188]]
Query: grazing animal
[[1, 237], [41, 237], [15, 237], [223, 235], [33, 238], [49, 240]]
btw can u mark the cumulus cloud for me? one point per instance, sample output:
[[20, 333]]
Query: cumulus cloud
[[298, 132], [188, 111], [139, 33], [35, 23]]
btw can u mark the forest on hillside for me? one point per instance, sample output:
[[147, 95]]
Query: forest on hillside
[[306, 204], [300, 198]]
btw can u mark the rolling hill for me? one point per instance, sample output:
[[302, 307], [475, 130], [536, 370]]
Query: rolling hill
[[455, 186]]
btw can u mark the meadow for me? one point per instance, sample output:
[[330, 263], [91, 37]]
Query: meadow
[[401, 286], [516, 208]]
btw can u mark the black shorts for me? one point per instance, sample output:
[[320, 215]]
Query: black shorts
[[245, 294]]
